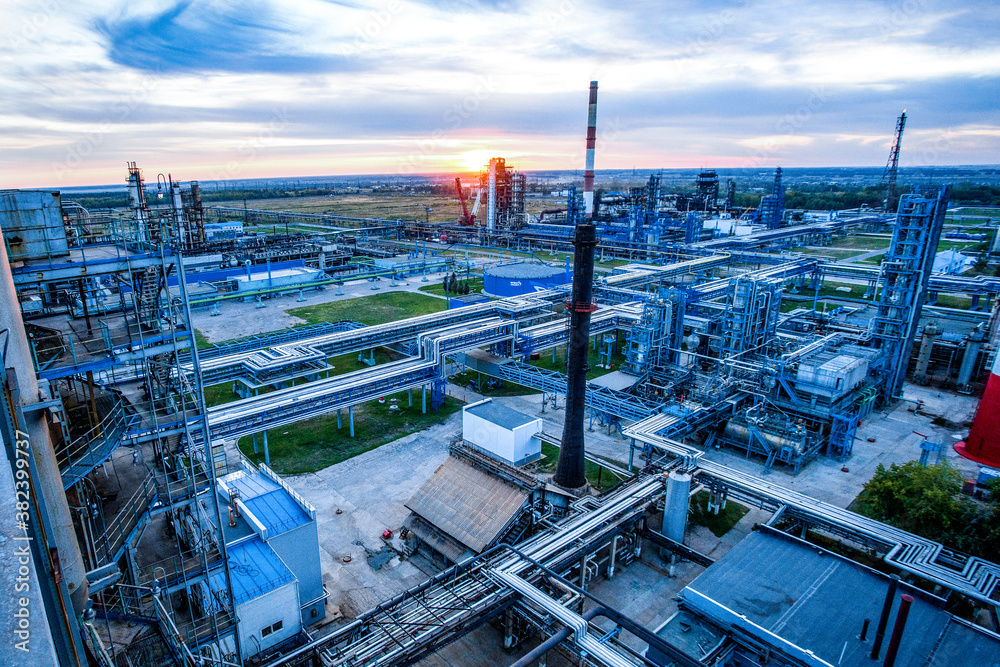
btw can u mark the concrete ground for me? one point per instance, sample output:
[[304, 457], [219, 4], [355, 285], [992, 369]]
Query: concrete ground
[[371, 489], [237, 319], [895, 441]]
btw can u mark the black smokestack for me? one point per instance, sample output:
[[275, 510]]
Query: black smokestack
[[570, 471]]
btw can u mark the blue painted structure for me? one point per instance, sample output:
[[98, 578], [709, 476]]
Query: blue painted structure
[[255, 570], [904, 279], [272, 513], [523, 278]]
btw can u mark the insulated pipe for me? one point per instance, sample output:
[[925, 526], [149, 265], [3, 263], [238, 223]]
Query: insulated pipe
[[931, 332], [970, 356], [588, 173], [539, 651]]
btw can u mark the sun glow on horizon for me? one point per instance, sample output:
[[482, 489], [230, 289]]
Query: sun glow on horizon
[[473, 160]]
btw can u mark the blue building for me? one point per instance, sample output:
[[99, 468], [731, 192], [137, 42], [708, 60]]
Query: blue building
[[273, 550]]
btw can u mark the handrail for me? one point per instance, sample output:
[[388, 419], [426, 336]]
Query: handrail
[[110, 429], [128, 517]]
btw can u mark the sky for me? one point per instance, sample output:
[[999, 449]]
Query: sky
[[215, 90]]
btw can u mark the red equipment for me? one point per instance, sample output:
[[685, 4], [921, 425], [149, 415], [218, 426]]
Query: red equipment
[[983, 443], [467, 219]]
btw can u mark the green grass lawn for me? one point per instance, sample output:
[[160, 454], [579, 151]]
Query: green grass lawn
[[609, 263], [599, 479], [374, 309], [862, 242], [829, 288], [219, 394], [948, 244], [200, 340], [720, 523], [437, 287], [836, 253], [788, 305], [954, 301], [482, 384], [346, 363], [317, 443], [559, 365]]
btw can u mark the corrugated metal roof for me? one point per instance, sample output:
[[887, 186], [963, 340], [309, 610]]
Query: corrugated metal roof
[[268, 502], [255, 569], [467, 504], [451, 548], [500, 415], [819, 601], [615, 380]]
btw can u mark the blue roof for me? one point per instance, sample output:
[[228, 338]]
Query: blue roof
[[255, 569], [269, 503], [819, 601]]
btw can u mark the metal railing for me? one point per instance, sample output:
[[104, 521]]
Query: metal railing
[[140, 604], [128, 518], [89, 450]]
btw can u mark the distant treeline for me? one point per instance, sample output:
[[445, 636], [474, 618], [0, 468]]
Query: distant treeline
[[817, 197], [821, 197], [120, 199]]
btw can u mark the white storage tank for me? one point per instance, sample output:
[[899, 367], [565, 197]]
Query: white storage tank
[[507, 434]]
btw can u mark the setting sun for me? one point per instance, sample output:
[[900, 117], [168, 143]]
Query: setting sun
[[473, 160]]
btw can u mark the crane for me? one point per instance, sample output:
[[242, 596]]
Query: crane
[[467, 219], [892, 165]]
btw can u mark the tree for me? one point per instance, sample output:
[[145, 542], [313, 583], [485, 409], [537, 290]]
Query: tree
[[927, 501]]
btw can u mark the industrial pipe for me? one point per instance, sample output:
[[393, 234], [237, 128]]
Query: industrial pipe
[[539, 651], [897, 630], [884, 618]]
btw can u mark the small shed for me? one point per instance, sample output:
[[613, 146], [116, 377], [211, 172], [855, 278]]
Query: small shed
[[502, 432], [462, 511]]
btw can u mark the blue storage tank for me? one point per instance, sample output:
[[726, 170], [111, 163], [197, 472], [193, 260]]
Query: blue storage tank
[[523, 278]]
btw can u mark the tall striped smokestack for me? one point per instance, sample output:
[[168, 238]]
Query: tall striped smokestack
[[570, 471], [983, 443], [588, 173]]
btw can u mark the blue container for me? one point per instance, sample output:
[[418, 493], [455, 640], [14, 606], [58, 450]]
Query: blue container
[[523, 278]]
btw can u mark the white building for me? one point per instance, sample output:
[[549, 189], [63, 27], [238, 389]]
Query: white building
[[505, 433]]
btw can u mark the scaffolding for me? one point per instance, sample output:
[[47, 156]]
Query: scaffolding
[[903, 281], [505, 189], [109, 332]]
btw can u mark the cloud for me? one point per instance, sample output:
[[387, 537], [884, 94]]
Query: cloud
[[776, 141], [366, 83], [206, 37]]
